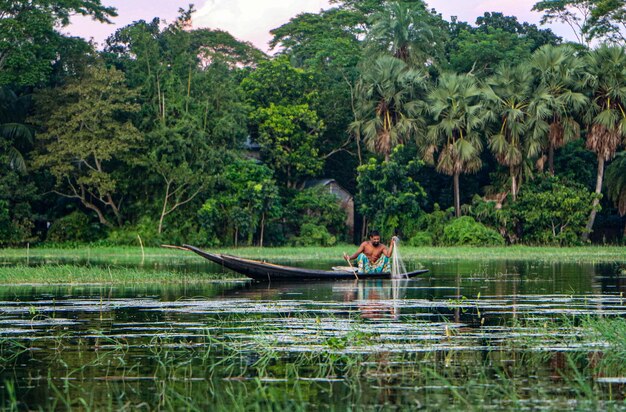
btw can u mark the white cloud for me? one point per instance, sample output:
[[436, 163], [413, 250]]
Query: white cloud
[[252, 20]]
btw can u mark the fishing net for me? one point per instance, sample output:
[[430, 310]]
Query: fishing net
[[398, 270]]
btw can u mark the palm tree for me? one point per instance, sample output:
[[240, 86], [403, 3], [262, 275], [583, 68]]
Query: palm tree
[[386, 106], [615, 183], [407, 31], [509, 93], [606, 117], [559, 73], [13, 110], [459, 116]]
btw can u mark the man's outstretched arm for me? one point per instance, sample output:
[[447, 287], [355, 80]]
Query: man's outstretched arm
[[358, 252]]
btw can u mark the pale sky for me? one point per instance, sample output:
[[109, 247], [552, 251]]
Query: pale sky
[[251, 20]]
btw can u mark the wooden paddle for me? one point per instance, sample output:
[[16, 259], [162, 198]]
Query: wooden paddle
[[351, 267]]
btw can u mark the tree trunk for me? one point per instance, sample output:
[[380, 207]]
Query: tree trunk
[[262, 230], [103, 220], [513, 185], [363, 229], [167, 195], [236, 236], [551, 159], [457, 196], [596, 202]]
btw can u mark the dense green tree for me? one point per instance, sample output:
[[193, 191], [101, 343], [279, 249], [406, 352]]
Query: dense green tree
[[538, 37], [481, 51], [193, 112], [458, 115], [327, 45], [244, 199], [316, 217], [509, 95], [29, 39], [552, 211], [389, 193], [326, 40], [606, 115], [495, 39], [288, 138], [388, 105], [558, 98], [278, 82], [85, 132]]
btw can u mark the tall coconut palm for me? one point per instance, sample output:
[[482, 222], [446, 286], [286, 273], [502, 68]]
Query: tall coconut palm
[[459, 116], [605, 118], [387, 104], [558, 70], [407, 31], [615, 183], [508, 94]]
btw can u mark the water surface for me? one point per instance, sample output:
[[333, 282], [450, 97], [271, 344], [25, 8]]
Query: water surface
[[485, 335]]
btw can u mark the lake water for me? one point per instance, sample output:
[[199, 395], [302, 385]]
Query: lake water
[[468, 335]]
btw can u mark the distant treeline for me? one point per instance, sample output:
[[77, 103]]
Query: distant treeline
[[446, 133]]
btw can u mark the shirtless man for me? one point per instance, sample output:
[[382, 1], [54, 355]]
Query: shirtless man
[[373, 256]]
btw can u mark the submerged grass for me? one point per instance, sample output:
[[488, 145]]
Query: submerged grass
[[75, 274], [223, 373]]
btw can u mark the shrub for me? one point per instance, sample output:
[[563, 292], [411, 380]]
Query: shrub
[[314, 235], [434, 223], [421, 239], [127, 235], [466, 231], [552, 211], [75, 227]]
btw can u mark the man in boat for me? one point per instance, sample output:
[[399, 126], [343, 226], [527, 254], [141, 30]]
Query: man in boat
[[373, 256]]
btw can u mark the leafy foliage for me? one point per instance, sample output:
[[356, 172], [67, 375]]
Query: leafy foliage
[[288, 137], [29, 41], [244, 200], [75, 227], [552, 211], [85, 133], [465, 231], [390, 195], [432, 227]]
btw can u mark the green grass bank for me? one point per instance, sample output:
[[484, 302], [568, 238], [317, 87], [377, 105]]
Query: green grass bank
[[285, 254], [108, 265]]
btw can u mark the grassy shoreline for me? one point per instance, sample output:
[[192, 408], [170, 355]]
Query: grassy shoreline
[[576, 254], [119, 265]]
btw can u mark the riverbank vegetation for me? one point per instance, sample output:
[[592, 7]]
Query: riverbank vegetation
[[135, 255], [448, 133]]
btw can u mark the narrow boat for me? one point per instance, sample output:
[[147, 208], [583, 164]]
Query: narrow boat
[[263, 271]]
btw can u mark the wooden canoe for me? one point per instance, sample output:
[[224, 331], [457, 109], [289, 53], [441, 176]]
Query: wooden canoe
[[263, 271]]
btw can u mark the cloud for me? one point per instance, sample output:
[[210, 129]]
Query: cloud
[[251, 20]]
